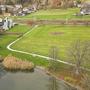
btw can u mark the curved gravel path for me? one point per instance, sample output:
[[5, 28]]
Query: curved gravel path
[[33, 54]]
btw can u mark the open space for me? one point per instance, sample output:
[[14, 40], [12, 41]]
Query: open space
[[43, 38], [7, 39], [44, 44]]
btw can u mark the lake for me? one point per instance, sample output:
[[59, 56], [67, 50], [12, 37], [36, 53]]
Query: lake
[[36, 80]]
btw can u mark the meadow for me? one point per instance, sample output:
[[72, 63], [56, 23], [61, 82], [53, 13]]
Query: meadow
[[43, 38], [7, 39]]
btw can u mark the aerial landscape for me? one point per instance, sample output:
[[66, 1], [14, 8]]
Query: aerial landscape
[[44, 44]]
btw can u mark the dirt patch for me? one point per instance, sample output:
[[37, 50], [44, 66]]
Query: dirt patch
[[57, 33], [59, 22]]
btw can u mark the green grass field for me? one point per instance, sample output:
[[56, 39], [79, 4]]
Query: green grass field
[[7, 39], [55, 14], [44, 37]]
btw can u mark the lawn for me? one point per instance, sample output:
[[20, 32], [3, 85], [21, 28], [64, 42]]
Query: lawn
[[55, 14], [44, 37], [6, 39]]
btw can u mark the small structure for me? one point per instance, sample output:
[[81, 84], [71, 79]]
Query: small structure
[[6, 23], [85, 9]]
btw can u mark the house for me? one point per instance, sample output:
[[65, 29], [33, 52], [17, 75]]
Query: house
[[85, 8], [6, 23]]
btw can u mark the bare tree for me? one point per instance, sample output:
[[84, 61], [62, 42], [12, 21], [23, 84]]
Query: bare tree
[[46, 4], [53, 84], [86, 82], [79, 52], [54, 64]]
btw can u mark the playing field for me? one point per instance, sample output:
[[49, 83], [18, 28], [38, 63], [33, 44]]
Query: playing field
[[43, 38]]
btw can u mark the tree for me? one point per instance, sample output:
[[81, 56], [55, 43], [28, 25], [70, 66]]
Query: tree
[[9, 2], [46, 4], [86, 82], [53, 84], [54, 64], [79, 52]]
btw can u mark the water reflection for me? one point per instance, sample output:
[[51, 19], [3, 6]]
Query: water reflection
[[36, 80], [55, 84], [2, 71]]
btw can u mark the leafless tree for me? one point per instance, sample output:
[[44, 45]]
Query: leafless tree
[[86, 82], [53, 64], [53, 84], [79, 52]]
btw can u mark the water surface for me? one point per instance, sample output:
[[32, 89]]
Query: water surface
[[36, 80]]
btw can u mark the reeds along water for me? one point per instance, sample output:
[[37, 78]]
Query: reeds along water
[[13, 63]]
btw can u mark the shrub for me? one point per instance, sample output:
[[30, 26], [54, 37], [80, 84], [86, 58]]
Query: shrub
[[13, 63]]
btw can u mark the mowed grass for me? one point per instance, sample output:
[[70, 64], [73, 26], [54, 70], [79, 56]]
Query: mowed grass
[[7, 39], [56, 14], [43, 38]]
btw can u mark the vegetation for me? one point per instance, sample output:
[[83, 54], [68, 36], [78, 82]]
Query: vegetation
[[53, 84], [41, 3], [50, 40], [79, 52], [13, 63], [7, 39], [53, 64], [86, 82], [55, 14], [44, 37]]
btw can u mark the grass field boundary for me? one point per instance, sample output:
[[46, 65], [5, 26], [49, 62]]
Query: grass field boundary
[[33, 54]]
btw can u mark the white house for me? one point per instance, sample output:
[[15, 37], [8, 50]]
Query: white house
[[6, 23]]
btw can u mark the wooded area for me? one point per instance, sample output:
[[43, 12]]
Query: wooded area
[[44, 3]]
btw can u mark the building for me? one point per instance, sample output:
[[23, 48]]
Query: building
[[85, 8], [6, 23]]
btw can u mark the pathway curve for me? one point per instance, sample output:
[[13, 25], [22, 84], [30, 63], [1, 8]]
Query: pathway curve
[[33, 54]]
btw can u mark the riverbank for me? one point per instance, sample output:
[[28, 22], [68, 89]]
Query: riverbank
[[14, 64]]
